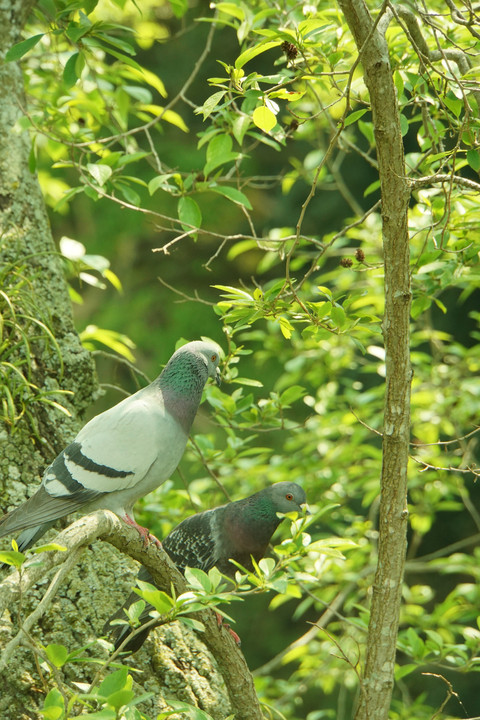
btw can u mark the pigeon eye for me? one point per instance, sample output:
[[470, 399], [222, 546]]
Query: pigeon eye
[[213, 358], [289, 496]]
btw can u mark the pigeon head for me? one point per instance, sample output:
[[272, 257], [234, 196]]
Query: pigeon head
[[209, 353], [206, 353], [183, 378], [249, 524], [286, 497]]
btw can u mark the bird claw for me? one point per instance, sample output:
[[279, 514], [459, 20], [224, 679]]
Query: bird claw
[[220, 623], [144, 533]]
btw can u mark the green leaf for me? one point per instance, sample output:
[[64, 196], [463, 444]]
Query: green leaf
[[115, 341], [366, 128], [219, 152], [162, 603], [179, 7], [49, 547], [264, 118], [232, 194], [354, 116], [454, 104], [70, 76], [113, 683], [53, 705], [403, 670], [93, 42], [19, 49], [247, 381], [240, 127], [75, 31], [192, 623], [135, 610], [234, 292], [210, 104], [338, 316], [120, 698], [57, 654], [147, 76], [288, 95], [190, 213], [286, 327], [117, 42], [254, 51], [198, 579], [473, 159], [404, 126], [103, 714], [175, 119], [12, 557], [128, 193], [231, 9], [291, 394], [99, 172]]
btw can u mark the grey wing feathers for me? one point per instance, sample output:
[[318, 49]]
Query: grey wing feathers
[[58, 495], [191, 544], [42, 508]]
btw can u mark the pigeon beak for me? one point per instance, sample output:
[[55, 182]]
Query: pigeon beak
[[218, 377], [305, 509]]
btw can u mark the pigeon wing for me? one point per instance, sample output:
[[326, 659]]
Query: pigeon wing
[[191, 544]]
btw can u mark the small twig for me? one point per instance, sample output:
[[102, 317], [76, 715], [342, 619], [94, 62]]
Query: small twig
[[450, 693], [423, 560], [209, 471], [331, 610], [362, 422], [186, 298], [450, 468], [118, 358], [428, 180], [447, 442]]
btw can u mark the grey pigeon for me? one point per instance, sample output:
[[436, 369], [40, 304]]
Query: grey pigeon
[[237, 531], [123, 453]]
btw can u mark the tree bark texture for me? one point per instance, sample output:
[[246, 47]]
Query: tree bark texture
[[378, 677], [173, 661]]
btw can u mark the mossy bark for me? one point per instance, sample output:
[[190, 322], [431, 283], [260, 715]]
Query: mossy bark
[[173, 661]]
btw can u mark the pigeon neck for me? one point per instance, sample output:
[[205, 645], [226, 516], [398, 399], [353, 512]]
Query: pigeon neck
[[181, 383], [253, 522]]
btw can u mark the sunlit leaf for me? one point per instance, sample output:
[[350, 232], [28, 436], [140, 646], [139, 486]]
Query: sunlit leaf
[[264, 118]]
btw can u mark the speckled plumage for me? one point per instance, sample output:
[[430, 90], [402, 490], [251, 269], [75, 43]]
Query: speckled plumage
[[123, 453], [237, 531]]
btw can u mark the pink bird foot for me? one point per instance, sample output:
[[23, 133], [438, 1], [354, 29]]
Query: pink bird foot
[[143, 532], [220, 623]]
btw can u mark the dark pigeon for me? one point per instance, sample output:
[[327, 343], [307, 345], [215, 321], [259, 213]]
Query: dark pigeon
[[238, 530]]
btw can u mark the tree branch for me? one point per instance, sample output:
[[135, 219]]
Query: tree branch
[[105, 525], [378, 675]]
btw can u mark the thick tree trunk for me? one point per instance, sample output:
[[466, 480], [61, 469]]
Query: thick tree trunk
[[173, 661], [378, 678]]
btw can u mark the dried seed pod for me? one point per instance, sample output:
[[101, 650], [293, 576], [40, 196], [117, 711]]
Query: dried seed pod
[[289, 49]]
